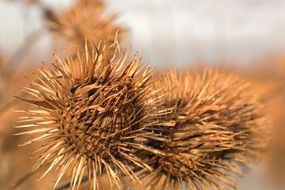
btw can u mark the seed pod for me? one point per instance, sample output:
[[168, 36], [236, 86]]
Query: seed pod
[[219, 126], [93, 113], [84, 20], [32, 2]]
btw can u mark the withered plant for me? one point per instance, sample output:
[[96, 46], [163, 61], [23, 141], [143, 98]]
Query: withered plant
[[92, 115], [219, 127], [32, 2], [4, 78], [86, 19]]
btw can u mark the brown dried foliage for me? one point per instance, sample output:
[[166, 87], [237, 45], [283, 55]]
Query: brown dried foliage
[[220, 125], [93, 114], [32, 2], [4, 78], [84, 20]]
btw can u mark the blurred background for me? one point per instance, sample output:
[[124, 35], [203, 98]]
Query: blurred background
[[245, 36], [168, 32]]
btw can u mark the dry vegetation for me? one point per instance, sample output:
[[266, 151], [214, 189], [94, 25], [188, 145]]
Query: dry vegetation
[[85, 20], [97, 118]]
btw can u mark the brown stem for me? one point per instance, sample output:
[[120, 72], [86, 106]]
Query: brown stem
[[7, 106], [67, 184], [26, 46], [16, 59], [273, 93], [9, 103], [22, 180]]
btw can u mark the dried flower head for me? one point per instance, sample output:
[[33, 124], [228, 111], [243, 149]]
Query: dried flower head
[[32, 2], [92, 115], [219, 126], [85, 19]]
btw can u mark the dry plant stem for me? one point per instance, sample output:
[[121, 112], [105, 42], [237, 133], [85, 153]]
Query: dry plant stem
[[26, 46], [17, 58], [66, 185], [7, 106], [272, 94], [22, 180]]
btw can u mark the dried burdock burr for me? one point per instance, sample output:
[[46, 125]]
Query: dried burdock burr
[[220, 125], [93, 114], [86, 19], [32, 2]]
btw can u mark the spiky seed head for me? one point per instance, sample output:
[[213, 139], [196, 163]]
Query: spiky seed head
[[86, 19], [219, 126], [92, 115], [32, 2], [194, 154]]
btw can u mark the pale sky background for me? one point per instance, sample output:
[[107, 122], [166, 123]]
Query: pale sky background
[[174, 32]]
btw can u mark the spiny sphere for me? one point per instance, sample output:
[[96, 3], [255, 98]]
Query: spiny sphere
[[84, 20], [90, 110], [32, 2], [219, 126]]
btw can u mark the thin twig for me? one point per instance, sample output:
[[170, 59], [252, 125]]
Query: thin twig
[[67, 184], [7, 106], [15, 60], [9, 103], [272, 94], [26, 46], [22, 180]]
